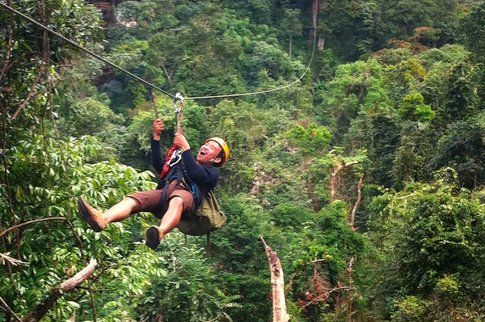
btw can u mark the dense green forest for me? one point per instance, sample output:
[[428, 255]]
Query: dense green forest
[[366, 176]]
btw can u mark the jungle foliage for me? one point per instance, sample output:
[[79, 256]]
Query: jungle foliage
[[367, 177]]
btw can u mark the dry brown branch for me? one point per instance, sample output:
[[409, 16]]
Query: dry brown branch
[[324, 297], [94, 280], [33, 90], [356, 204], [7, 309], [4, 258], [277, 285], [30, 222], [90, 282], [58, 291], [80, 277]]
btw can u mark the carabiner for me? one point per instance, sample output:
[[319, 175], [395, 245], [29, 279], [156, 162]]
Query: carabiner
[[176, 157], [178, 102]]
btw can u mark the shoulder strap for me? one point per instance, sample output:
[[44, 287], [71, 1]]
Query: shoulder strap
[[208, 243], [193, 187]]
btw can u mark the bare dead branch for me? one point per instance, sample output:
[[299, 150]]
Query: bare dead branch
[[33, 90], [80, 277], [41, 310], [4, 258], [277, 285], [30, 222], [325, 296], [7, 309]]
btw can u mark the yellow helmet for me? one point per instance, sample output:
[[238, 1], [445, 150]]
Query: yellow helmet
[[225, 149]]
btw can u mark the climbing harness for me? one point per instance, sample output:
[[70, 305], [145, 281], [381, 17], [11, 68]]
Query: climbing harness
[[174, 155], [12, 10]]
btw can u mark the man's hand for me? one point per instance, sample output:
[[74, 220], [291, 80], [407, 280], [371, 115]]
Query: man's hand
[[181, 142], [157, 129]]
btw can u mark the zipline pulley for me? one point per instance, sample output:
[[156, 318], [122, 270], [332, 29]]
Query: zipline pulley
[[174, 155]]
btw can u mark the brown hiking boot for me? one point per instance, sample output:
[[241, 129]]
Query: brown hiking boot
[[91, 215], [153, 237]]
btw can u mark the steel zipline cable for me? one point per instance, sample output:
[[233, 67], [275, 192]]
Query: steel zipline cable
[[12, 10], [84, 49], [262, 91]]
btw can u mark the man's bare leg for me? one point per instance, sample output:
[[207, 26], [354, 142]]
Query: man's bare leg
[[98, 220], [170, 220], [121, 210]]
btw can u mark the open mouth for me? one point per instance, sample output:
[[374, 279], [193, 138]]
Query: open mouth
[[203, 153]]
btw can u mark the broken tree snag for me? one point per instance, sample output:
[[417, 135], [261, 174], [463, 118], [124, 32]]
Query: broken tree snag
[[277, 285], [356, 204], [58, 291]]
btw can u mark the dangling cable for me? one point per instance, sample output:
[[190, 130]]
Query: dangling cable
[[267, 90], [154, 86]]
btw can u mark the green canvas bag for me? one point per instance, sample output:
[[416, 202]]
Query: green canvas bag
[[206, 218]]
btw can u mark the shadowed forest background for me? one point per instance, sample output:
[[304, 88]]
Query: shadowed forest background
[[367, 177]]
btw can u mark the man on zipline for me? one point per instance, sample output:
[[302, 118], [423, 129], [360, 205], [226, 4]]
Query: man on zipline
[[176, 196]]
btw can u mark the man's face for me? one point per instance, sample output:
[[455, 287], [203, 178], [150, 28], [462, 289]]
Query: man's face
[[208, 152]]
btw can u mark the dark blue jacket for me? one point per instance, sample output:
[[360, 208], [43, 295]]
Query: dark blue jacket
[[204, 176]]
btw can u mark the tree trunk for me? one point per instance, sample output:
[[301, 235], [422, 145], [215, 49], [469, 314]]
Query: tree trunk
[[356, 204], [321, 43], [277, 285], [313, 33]]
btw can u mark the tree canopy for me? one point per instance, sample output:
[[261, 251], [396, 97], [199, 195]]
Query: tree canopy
[[366, 176]]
